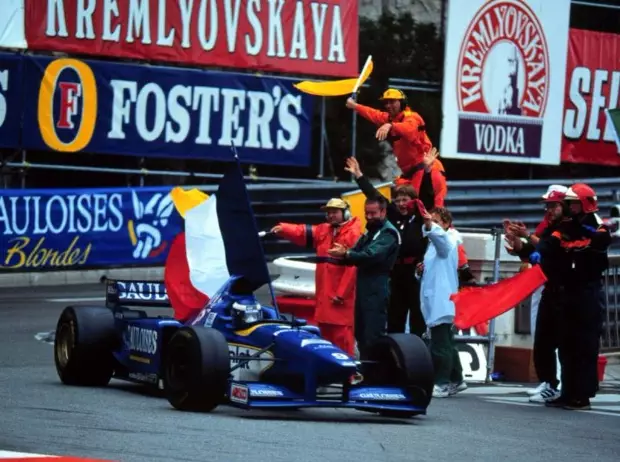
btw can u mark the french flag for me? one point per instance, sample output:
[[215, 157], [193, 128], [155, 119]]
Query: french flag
[[220, 240]]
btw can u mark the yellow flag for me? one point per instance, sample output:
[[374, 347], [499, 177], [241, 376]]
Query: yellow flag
[[186, 200], [336, 87]]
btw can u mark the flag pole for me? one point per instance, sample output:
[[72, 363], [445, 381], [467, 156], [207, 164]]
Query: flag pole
[[247, 198]]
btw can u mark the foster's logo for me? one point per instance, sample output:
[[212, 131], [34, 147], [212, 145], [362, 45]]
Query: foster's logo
[[67, 105]]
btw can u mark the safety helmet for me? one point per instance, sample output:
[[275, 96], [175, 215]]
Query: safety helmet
[[393, 93], [585, 194], [554, 188], [554, 196], [244, 313]]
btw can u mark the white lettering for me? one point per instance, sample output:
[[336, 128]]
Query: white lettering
[[186, 13], [276, 35], [37, 215], [232, 22], [254, 49], [298, 42], [288, 122], [4, 86], [56, 17], [84, 20], [318, 21], [598, 103], [110, 7], [207, 44], [162, 38], [230, 117], [203, 99], [138, 22], [336, 40], [259, 122], [178, 113], [158, 111], [121, 108], [497, 139], [575, 119], [142, 340]]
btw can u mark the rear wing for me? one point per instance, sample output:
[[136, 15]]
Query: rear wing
[[136, 293]]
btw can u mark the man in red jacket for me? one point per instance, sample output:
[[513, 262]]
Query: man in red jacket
[[405, 130], [334, 284]]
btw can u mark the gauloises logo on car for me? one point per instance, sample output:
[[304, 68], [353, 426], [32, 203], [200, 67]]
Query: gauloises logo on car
[[67, 105], [503, 81]]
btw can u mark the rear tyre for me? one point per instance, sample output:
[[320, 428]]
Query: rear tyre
[[196, 369], [404, 360], [83, 345]]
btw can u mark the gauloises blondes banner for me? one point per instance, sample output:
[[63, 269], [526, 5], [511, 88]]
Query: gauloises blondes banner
[[592, 85], [317, 37]]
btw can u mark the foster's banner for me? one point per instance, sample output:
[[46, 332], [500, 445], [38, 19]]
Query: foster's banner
[[503, 89], [102, 107], [71, 228], [305, 36], [10, 100], [592, 85]]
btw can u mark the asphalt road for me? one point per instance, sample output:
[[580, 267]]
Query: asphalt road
[[121, 422]]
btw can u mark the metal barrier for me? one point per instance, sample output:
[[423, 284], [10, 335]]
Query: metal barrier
[[610, 339]]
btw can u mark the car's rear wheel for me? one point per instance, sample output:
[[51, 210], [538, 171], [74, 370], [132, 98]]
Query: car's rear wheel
[[196, 369], [403, 360], [83, 344]]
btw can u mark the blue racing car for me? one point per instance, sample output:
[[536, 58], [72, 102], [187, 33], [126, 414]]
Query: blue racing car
[[235, 351]]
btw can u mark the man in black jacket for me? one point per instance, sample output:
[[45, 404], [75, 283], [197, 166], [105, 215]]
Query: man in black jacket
[[404, 288], [573, 256]]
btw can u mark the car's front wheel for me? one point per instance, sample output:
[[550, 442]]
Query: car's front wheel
[[196, 369]]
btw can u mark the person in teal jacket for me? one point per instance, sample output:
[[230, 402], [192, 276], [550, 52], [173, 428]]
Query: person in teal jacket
[[374, 255]]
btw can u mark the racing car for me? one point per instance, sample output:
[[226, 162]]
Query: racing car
[[235, 351]]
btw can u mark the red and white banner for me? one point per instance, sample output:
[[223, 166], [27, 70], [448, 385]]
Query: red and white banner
[[12, 24], [318, 37], [592, 85]]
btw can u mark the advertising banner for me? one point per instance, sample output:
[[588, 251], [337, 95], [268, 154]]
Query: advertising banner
[[129, 109], [10, 99], [503, 89], [317, 37], [12, 24], [61, 229], [592, 85]]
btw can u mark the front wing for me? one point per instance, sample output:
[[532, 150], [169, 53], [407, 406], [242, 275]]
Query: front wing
[[253, 395]]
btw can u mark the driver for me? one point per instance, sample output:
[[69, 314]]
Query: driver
[[334, 284], [245, 312]]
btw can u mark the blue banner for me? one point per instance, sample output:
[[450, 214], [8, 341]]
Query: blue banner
[[10, 99], [76, 105], [64, 229]]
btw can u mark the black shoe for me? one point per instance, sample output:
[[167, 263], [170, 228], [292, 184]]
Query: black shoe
[[561, 401], [578, 405]]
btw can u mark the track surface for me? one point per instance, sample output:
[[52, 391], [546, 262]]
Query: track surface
[[121, 422]]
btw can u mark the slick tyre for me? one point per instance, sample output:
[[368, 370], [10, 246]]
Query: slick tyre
[[404, 360], [196, 369], [83, 344]]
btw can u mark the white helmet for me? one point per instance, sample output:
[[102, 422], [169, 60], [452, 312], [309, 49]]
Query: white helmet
[[246, 313], [555, 188]]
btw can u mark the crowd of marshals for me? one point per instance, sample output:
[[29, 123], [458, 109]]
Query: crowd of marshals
[[409, 259]]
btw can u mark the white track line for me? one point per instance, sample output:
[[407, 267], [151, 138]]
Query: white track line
[[75, 299]]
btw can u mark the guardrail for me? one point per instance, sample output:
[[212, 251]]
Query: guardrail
[[610, 338]]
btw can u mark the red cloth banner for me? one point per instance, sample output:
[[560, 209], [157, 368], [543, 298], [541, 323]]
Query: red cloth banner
[[318, 37], [592, 84], [476, 305]]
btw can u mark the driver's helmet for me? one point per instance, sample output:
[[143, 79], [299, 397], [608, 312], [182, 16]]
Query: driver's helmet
[[245, 312]]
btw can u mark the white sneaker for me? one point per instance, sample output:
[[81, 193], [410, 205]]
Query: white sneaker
[[538, 389], [442, 391], [546, 395], [455, 388]]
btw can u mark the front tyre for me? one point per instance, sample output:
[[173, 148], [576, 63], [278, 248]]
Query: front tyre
[[196, 369], [404, 360], [83, 344]]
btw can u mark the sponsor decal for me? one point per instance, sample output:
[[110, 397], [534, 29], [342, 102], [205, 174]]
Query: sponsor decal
[[315, 341], [264, 393], [142, 377], [340, 356], [142, 340], [383, 396], [145, 291], [239, 393], [248, 370], [210, 319]]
